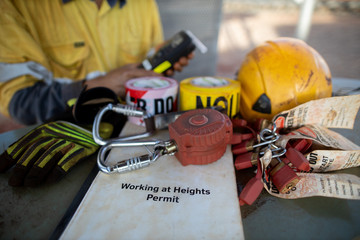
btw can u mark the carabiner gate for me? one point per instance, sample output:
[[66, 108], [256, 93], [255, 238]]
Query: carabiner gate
[[160, 148], [129, 164], [127, 111]]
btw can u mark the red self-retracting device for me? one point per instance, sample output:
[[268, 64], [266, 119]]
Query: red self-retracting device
[[197, 137], [201, 136]]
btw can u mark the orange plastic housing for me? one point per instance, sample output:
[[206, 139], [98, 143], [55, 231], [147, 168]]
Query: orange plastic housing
[[201, 136]]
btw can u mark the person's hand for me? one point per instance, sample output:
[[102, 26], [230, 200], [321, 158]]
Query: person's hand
[[178, 66], [116, 79]]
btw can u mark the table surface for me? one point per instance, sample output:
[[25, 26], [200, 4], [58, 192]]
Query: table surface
[[43, 212], [34, 213]]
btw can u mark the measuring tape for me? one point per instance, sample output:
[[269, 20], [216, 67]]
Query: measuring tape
[[156, 95], [202, 92]]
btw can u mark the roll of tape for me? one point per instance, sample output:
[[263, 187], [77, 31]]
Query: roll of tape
[[202, 92], [155, 95]]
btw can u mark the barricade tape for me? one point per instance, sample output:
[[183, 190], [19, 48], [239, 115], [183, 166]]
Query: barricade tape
[[156, 95], [202, 92]]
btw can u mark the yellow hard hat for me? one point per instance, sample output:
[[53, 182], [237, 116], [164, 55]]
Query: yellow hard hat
[[279, 75]]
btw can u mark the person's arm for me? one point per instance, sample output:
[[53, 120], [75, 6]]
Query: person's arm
[[23, 70], [40, 102], [115, 79]]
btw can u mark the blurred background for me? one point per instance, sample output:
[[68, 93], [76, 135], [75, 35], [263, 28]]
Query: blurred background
[[231, 28], [334, 31]]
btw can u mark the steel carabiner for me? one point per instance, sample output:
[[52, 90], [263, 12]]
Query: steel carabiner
[[127, 111], [160, 148]]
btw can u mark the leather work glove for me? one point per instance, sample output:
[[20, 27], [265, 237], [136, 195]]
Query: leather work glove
[[47, 153]]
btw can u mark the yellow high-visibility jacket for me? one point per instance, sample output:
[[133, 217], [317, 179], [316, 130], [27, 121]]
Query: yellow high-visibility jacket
[[47, 44]]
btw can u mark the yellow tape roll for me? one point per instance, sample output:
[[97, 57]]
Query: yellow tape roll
[[202, 92]]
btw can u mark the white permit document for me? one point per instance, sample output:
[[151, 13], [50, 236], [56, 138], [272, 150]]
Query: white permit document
[[162, 201]]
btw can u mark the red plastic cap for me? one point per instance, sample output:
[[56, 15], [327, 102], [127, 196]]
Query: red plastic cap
[[201, 136], [251, 191], [243, 161], [298, 159]]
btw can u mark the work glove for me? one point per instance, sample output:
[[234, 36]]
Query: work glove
[[48, 152]]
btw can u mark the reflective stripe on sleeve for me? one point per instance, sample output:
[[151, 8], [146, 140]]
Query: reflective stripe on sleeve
[[10, 71]]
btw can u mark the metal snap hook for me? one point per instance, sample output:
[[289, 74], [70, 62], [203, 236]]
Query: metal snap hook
[[128, 111], [161, 148], [129, 164]]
